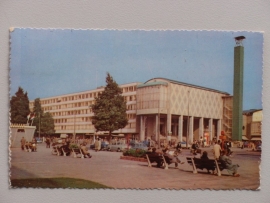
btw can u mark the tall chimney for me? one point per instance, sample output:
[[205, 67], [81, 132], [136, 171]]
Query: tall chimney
[[237, 119]]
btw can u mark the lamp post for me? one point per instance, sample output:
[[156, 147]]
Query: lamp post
[[39, 125], [74, 126]]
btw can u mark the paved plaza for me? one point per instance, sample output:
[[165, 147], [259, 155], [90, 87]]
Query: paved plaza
[[107, 168]]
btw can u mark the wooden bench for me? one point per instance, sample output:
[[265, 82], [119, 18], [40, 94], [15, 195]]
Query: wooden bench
[[56, 150], [65, 151], [159, 159], [197, 163], [76, 152]]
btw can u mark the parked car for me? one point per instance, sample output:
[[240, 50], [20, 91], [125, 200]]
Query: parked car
[[259, 148], [39, 140], [104, 146], [184, 145], [118, 146], [138, 146]]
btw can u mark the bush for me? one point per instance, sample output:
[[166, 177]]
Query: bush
[[73, 146], [135, 153]]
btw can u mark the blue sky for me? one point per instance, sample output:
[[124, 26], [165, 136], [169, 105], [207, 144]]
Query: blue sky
[[53, 62]]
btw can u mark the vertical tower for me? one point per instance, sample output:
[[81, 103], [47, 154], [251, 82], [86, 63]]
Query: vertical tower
[[238, 89]]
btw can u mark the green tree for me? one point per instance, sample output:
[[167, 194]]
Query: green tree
[[109, 108], [19, 107], [47, 124], [44, 120]]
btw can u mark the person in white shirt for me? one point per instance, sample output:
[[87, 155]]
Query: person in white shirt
[[217, 150]]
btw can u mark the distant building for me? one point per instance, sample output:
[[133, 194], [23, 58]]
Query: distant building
[[252, 121], [159, 109]]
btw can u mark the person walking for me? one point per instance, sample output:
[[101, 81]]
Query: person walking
[[97, 145], [23, 143], [217, 150], [48, 142]]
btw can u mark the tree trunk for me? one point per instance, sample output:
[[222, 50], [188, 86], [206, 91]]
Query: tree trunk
[[110, 136]]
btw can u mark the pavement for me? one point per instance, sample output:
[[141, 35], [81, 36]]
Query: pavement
[[107, 168]]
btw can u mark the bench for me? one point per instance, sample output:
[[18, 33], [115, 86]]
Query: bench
[[56, 150], [76, 152], [65, 151], [159, 159], [197, 163]]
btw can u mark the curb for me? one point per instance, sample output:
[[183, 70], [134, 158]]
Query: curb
[[130, 158]]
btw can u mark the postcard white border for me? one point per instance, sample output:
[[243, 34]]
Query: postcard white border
[[140, 14]]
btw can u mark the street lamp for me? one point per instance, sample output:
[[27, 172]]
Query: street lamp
[[39, 125], [74, 126]]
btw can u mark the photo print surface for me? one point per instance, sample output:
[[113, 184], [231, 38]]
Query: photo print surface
[[170, 109]]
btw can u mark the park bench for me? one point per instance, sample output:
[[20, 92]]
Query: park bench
[[76, 152], [65, 151], [159, 159], [56, 150], [197, 163]]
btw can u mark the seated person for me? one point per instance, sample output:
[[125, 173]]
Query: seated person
[[32, 146], [155, 153], [179, 147], [227, 163], [27, 146], [204, 159], [173, 159], [195, 148], [85, 151], [65, 147]]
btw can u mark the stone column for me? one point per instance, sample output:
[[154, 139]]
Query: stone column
[[157, 128], [201, 128], [180, 128], [169, 123], [142, 129], [210, 127], [218, 127], [190, 130]]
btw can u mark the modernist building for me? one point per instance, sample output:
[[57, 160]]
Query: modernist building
[[72, 113], [159, 109], [252, 121]]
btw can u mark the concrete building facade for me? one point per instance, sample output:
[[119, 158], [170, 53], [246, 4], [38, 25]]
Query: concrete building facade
[[72, 113], [159, 109], [252, 121], [171, 110]]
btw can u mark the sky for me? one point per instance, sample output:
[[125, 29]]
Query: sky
[[51, 62]]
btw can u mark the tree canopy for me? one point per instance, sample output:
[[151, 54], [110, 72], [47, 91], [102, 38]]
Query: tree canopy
[[109, 108], [45, 120], [19, 107]]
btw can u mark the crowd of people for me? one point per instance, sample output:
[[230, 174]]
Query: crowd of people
[[29, 146], [221, 150]]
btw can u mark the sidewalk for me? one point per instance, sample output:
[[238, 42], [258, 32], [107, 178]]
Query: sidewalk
[[107, 168]]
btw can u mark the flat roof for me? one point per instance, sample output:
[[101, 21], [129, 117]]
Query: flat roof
[[189, 85], [152, 84]]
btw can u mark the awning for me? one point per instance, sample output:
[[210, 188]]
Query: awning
[[244, 138], [256, 138]]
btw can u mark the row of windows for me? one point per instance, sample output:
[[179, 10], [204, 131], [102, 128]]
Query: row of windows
[[131, 116], [70, 113], [131, 107], [71, 120], [84, 119], [83, 96], [86, 127], [81, 104]]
